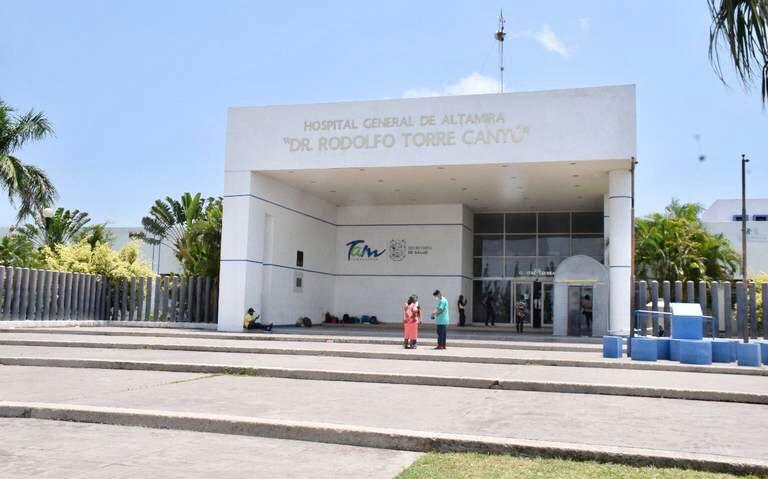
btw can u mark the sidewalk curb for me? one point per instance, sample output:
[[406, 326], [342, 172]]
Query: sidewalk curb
[[521, 344], [410, 356], [394, 378], [381, 438]]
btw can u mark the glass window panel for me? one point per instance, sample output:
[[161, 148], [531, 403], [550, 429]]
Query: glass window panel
[[548, 264], [520, 266], [491, 298], [559, 245], [489, 223], [488, 245], [520, 245], [488, 267], [588, 222], [554, 223], [521, 223], [590, 245]]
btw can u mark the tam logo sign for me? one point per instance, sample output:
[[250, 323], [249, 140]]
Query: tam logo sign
[[359, 250]]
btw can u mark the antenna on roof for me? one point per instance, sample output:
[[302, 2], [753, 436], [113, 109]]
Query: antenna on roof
[[499, 36]]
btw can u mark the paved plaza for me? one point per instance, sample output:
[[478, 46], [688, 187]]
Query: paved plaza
[[340, 389]]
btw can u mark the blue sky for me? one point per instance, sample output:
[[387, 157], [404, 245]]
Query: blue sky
[[138, 91]]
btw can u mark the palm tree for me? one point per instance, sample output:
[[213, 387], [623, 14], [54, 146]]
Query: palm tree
[[202, 242], [65, 226], [743, 26], [169, 219], [676, 246], [26, 185]]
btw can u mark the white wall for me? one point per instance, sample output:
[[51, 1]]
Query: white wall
[[433, 237], [265, 223], [757, 242], [724, 209], [598, 123]]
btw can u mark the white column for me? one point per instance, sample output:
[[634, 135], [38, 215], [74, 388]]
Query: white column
[[242, 235], [606, 228], [620, 250]]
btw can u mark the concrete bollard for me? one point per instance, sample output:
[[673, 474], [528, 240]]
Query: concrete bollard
[[724, 350], [695, 351], [753, 333], [644, 349], [727, 309], [690, 295], [612, 347], [748, 354], [678, 291]]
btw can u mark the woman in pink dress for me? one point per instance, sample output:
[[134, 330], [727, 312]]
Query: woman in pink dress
[[411, 315]]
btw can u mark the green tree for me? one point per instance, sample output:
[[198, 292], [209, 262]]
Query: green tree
[[168, 220], [26, 185], [742, 25], [201, 251], [676, 246], [18, 251], [65, 226], [95, 234]]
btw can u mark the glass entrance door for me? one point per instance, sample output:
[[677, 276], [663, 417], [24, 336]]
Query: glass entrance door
[[492, 302], [523, 301], [580, 310]]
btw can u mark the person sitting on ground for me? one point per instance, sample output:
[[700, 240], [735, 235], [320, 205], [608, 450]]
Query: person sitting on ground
[[251, 322]]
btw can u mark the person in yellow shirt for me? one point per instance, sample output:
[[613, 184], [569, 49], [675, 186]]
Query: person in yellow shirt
[[251, 322]]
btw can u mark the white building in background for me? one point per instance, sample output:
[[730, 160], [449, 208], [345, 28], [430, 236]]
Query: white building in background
[[161, 257], [724, 217], [351, 207]]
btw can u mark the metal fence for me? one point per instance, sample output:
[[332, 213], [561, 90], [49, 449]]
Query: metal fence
[[31, 294], [733, 306]]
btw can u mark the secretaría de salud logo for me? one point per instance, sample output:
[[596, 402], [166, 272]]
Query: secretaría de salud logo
[[398, 249]]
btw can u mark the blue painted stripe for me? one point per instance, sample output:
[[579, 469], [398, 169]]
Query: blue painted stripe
[[406, 224], [347, 274], [281, 206], [248, 195]]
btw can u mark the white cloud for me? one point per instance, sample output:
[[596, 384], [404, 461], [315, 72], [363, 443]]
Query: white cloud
[[584, 23], [473, 84], [549, 40]]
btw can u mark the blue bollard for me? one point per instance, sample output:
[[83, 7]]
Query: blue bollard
[[644, 348], [612, 347], [695, 351], [674, 349], [662, 347], [748, 354], [687, 327], [723, 350], [764, 351]]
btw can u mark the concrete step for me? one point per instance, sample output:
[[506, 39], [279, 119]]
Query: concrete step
[[337, 336], [671, 384], [689, 434], [371, 351], [78, 450]]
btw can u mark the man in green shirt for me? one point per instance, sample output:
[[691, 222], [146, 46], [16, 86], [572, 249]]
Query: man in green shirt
[[440, 315]]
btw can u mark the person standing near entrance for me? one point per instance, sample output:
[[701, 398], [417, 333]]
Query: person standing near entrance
[[440, 315], [411, 322], [460, 306], [520, 314], [586, 308], [490, 309]]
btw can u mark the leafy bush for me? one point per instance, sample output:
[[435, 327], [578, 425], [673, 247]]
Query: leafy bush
[[99, 259], [18, 251]]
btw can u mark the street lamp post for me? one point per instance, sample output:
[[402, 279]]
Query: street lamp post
[[744, 277], [47, 214]]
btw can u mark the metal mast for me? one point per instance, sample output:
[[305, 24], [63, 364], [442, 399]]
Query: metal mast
[[500, 38]]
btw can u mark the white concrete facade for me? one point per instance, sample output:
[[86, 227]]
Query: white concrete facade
[[724, 217], [380, 197]]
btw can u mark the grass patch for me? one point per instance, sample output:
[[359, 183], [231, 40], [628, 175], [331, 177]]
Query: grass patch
[[490, 466]]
